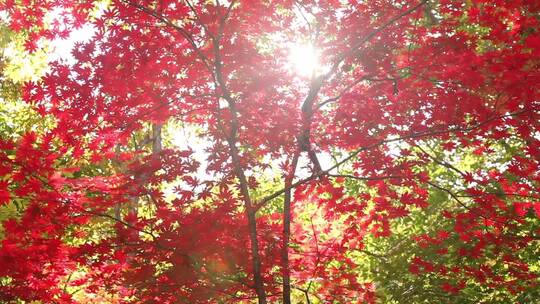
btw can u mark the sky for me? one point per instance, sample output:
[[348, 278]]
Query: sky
[[61, 48]]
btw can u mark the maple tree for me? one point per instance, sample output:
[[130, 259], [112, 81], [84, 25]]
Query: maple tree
[[404, 165]]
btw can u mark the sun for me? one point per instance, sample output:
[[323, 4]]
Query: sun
[[304, 59]]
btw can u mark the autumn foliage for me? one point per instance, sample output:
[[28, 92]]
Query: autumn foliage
[[415, 141]]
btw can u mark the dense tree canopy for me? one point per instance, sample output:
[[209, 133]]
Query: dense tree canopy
[[273, 151]]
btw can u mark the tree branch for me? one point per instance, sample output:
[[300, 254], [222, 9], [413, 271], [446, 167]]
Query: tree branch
[[287, 231], [353, 154], [244, 189]]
